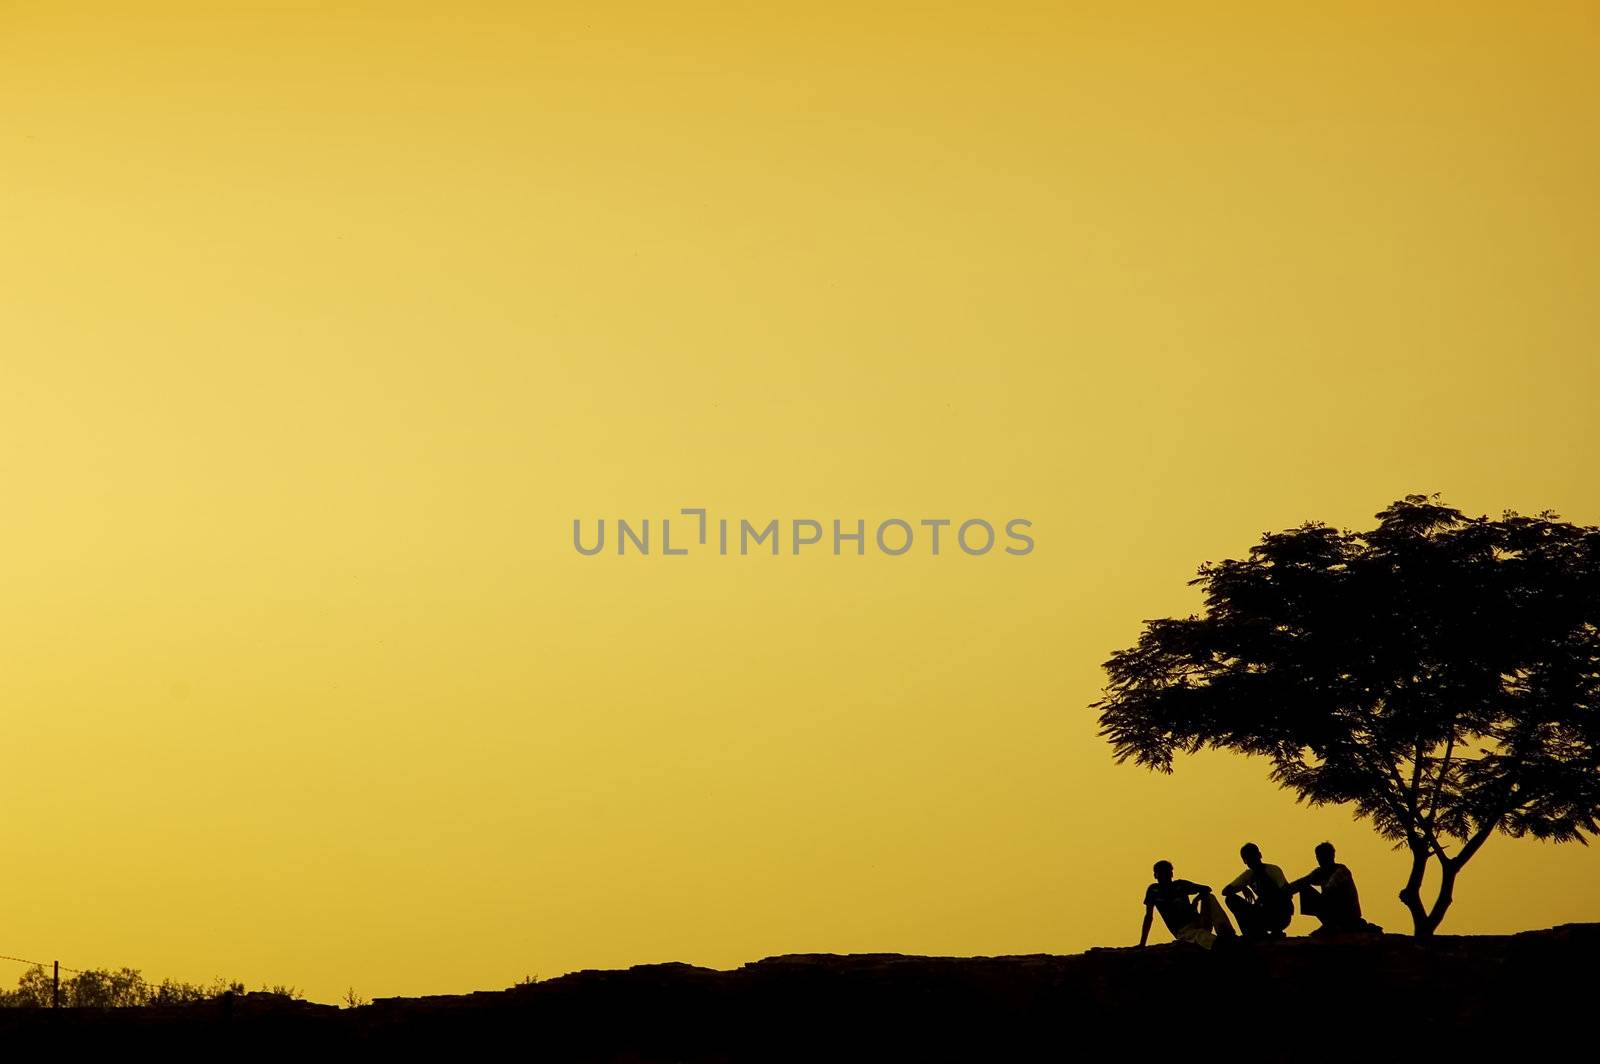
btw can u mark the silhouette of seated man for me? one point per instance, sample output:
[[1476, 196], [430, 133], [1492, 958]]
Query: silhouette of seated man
[[1259, 898], [1336, 904], [1200, 922]]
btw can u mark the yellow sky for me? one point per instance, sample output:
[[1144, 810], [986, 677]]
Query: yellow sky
[[320, 322]]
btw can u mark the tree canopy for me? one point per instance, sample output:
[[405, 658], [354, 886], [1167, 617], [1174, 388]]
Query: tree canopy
[[1440, 673]]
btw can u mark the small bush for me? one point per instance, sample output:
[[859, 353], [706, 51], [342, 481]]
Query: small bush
[[103, 988]]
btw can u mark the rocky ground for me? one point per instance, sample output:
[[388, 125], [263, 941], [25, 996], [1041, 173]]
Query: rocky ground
[[1380, 997]]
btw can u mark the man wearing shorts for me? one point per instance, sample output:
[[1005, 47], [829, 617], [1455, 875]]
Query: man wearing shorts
[[1200, 922]]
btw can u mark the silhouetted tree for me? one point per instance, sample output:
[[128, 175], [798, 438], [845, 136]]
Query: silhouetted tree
[[106, 989], [1441, 673], [33, 990], [123, 988]]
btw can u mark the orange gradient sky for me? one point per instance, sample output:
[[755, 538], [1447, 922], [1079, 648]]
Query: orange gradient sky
[[320, 322]]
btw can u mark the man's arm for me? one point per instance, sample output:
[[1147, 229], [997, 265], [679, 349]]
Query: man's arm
[[1238, 884], [1144, 932]]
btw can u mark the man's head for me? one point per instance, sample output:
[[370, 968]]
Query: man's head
[[1251, 854], [1163, 871], [1325, 854]]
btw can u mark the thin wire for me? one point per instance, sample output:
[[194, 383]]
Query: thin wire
[[77, 971], [21, 960]]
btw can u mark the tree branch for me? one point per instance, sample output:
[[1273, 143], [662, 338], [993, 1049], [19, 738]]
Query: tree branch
[[1408, 815], [1444, 767], [1473, 844]]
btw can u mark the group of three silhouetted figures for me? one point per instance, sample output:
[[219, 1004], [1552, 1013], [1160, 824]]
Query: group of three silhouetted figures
[[1261, 899]]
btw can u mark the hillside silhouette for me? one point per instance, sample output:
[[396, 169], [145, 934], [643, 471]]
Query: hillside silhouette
[[1298, 999]]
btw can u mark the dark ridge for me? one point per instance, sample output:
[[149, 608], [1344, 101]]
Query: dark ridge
[[1297, 999]]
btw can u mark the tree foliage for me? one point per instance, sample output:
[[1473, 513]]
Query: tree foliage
[[1440, 673], [106, 988]]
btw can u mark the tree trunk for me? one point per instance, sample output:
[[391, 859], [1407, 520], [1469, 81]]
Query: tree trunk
[[1411, 894], [1447, 886], [1425, 920]]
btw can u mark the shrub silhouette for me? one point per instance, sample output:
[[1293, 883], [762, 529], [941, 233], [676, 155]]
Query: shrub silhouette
[[105, 988]]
